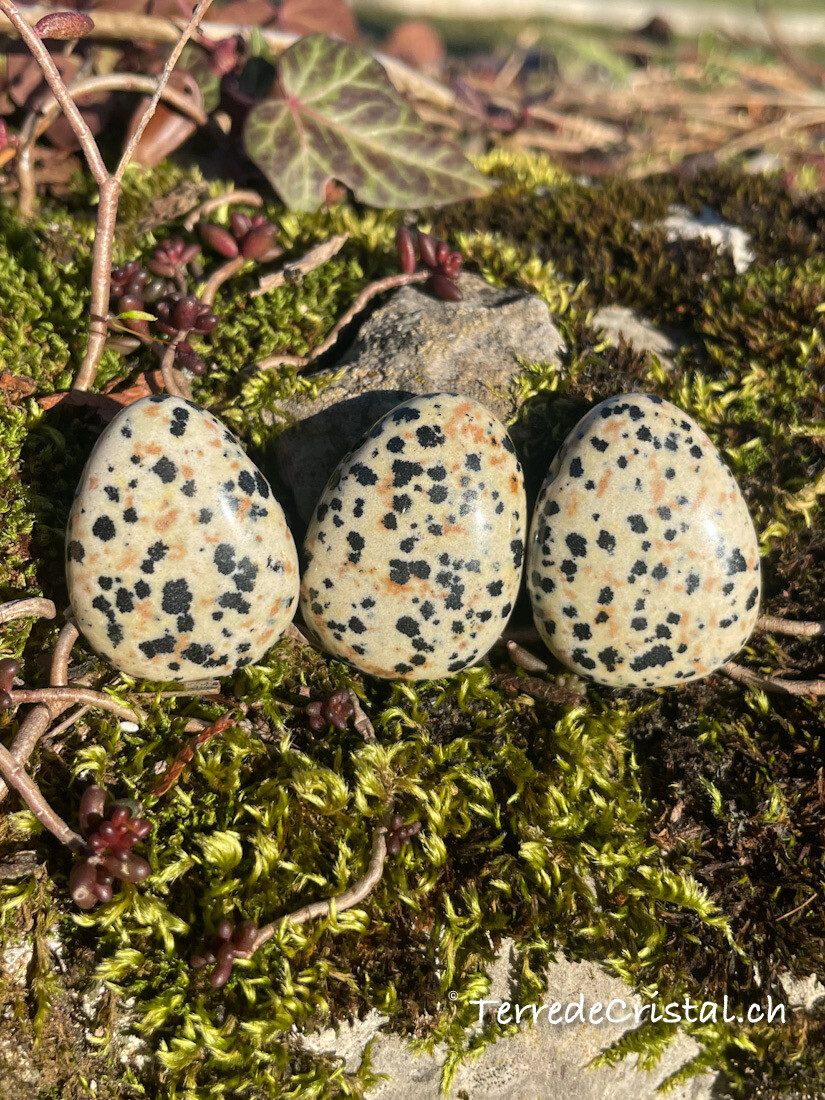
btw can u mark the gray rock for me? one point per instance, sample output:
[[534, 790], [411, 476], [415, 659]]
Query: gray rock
[[683, 224], [642, 334], [414, 344], [542, 1060]]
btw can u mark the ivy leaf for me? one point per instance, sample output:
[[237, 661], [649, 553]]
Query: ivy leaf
[[195, 60], [340, 118]]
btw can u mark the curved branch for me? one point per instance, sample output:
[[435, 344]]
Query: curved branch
[[354, 895], [801, 629], [34, 606], [772, 684], [74, 694], [39, 120], [30, 793]]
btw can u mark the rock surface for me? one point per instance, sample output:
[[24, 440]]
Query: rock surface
[[412, 561], [542, 1061], [683, 224], [179, 559], [643, 563], [620, 321], [415, 344]]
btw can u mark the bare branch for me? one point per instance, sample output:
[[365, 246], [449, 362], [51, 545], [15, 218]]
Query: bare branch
[[380, 286], [229, 198], [34, 606], [523, 659], [292, 272], [75, 694], [28, 790], [772, 684], [801, 629]]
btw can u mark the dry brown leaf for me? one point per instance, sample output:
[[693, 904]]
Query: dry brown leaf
[[13, 387], [332, 17], [417, 44], [167, 130], [108, 404]]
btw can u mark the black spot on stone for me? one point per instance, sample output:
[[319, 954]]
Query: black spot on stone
[[637, 524], [656, 657], [670, 473], [204, 516], [105, 583], [659, 572], [638, 623], [606, 595], [408, 626], [638, 569], [405, 416], [401, 571], [103, 528], [158, 646], [662, 631], [569, 568], [75, 551], [495, 588], [224, 558], [363, 474], [643, 434], [142, 590], [404, 472], [609, 657], [570, 612], [621, 462], [124, 601], [602, 617], [179, 418], [234, 601], [437, 494], [401, 503], [261, 485], [188, 488], [736, 563], [177, 597], [582, 632], [438, 473], [670, 534], [663, 512], [517, 550], [600, 444], [429, 436], [246, 482], [691, 583], [581, 658], [751, 600], [674, 617], [696, 452], [356, 543], [473, 462], [112, 493], [390, 522], [167, 471], [126, 431], [576, 468], [606, 541], [130, 516], [577, 545]]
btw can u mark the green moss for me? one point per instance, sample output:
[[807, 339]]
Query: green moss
[[670, 836]]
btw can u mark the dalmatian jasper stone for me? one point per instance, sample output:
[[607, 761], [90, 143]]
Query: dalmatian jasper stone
[[642, 563], [412, 560], [180, 564]]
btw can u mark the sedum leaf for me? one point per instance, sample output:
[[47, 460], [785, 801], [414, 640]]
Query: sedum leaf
[[340, 118]]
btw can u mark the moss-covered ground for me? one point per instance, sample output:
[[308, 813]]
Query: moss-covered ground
[[676, 837]]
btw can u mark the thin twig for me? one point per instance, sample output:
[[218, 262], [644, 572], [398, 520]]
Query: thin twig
[[228, 198], [187, 753], [802, 629], [34, 606], [172, 381], [40, 119], [380, 286], [798, 909], [61, 654], [349, 898], [66, 724], [514, 685], [61, 93], [218, 277], [360, 718], [770, 684], [31, 794], [294, 271], [75, 694], [198, 14]]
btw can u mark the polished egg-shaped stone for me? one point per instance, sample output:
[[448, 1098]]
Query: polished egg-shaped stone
[[179, 561], [642, 562], [413, 557]]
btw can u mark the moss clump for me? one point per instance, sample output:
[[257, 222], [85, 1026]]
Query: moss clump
[[674, 837]]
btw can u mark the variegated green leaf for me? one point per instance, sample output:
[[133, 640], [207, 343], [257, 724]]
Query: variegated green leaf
[[340, 118]]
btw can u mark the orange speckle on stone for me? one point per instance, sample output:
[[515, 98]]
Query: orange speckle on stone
[[164, 522]]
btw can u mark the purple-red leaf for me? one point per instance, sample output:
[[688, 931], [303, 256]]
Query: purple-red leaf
[[341, 119], [64, 25]]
